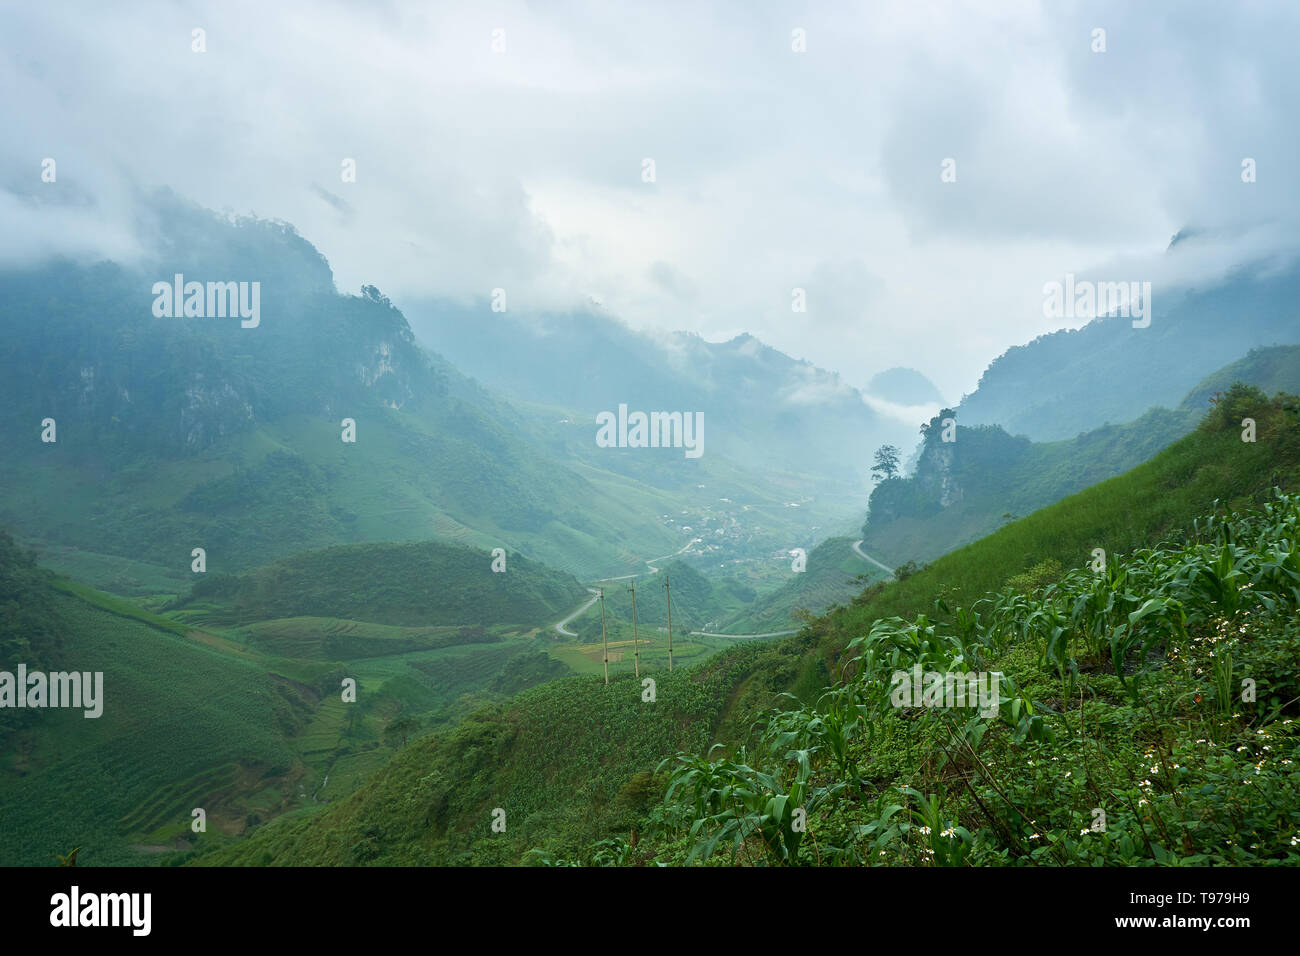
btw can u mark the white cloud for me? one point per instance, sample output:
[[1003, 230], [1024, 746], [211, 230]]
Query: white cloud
[[775, 170]]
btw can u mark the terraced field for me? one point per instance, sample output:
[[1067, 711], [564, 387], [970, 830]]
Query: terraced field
[[247, 723]]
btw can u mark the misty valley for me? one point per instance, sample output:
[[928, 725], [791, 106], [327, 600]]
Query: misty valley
[[356, 508], [311, 562]]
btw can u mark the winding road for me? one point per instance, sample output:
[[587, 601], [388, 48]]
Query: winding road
[[857, 549], [560, 627]]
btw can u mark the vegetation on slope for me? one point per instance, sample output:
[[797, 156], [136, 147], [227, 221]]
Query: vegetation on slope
[[565, 761], [183, 726], [410, 584], [1188, 650], [579, 759], [29, 628], [245, 722], [963, 490]]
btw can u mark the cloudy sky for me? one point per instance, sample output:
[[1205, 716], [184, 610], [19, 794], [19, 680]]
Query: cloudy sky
[[522, 168]]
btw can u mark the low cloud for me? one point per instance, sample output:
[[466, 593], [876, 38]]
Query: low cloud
[[775, 170]]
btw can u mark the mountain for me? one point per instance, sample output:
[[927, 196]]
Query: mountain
[[962, 490], [172, 434], [766, 412], [1071, 381], [1271, 370]]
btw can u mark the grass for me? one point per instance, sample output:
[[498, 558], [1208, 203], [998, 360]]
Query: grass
[[118, 606]]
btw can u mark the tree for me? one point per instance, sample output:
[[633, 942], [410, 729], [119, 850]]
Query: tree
[[399, 729], [935, 423], [886, 465]]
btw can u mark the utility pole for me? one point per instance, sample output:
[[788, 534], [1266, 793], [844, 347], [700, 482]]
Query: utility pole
[[636, 646], [669, 592], [603, 641]]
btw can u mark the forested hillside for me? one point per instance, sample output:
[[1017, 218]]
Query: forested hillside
[[963, 489], [324, 424]]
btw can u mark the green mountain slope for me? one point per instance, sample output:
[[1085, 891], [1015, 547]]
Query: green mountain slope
[[412, 584], [990, 478], [588, 773], [1136, 713], [183, 726], [243, 714], [963, 490], [177, 433], [833, 574], [1272, 370]]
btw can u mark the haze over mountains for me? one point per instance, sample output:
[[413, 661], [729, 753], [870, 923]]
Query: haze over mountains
[[767, 411], [617, 435], [1107, 371], [169, 427]]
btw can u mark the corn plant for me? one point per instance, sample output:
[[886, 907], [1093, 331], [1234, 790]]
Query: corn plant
[[732, 803], [943, 843]]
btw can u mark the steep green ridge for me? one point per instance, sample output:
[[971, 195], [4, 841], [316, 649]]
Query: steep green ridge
[[965, 489], [996, 477], [409, 584], [261, 471], [1272, 370], [1130, 511], [578, 778]]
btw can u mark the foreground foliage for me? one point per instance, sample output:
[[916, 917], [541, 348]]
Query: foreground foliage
[[1146, 715]]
